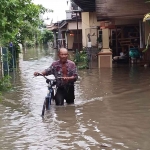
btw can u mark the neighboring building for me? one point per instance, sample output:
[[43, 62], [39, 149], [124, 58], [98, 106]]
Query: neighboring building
[[68, 33]]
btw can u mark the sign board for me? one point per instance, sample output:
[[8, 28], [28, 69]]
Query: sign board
[[106, 24]]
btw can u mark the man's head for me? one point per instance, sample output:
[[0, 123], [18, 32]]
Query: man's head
[[63, 55]]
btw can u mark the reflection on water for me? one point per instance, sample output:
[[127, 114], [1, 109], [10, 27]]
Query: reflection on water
[[111, 109]]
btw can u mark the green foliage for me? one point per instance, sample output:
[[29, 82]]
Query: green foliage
[[17, 48], [146, 18], [18, 19], [30, 44], [19, 22], [46, 36], [0, 96], [5, 83], [148, 1], [27, 33], [81, 59]]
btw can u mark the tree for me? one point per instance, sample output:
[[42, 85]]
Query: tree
[[46, 36], [15, 16]]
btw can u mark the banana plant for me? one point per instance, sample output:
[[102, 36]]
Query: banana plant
[[146, 17], [146, 44]]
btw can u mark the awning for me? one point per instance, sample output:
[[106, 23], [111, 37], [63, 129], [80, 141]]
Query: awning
[[86, 5]]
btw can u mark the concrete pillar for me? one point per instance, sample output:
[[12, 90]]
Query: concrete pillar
[[66, 40], [59, 40], [141, 34], [85, 25], [55, 42], [105, 55]]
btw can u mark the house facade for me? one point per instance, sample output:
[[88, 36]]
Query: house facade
[[119, 26]]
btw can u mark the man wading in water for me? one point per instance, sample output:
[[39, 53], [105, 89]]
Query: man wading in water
[[63, 68]]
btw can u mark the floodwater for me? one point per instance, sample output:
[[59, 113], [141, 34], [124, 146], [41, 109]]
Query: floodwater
[[111, 110]]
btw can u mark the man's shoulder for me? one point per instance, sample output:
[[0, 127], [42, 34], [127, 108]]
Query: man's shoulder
[[57, 62], [71, 62]]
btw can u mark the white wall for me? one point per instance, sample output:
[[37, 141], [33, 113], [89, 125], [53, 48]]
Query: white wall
[[73, 25]]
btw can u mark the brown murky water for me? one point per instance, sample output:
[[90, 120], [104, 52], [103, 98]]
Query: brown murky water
[[111, 111]]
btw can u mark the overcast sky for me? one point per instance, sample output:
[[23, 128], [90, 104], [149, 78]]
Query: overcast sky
[[58, 6]]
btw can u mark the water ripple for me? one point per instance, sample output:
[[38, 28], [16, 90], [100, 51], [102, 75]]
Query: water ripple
[[111, 110]]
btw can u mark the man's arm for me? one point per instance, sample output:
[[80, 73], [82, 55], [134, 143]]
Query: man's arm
[[46, 72], [38, 73], [43, 73]]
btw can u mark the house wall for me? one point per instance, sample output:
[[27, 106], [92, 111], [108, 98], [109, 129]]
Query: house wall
[[89, 21], [93, 31], [73, 25], [93, 19], [74, 40], [70, 41]]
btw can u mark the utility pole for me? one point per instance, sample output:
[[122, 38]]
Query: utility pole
[[77, 12], [77, 30]]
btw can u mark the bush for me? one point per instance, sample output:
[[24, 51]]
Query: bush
[[81, 59], [5, 83]]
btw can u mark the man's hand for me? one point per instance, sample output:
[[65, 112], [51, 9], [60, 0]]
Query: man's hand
[[68, 78], [40, 74], [36, 73]]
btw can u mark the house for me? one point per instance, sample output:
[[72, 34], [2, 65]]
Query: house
[[68, 33], [119, 26]]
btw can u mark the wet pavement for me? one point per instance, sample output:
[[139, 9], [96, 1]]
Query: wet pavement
[[111, 110]]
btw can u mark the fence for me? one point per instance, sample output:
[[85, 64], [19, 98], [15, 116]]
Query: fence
[[8, 60]]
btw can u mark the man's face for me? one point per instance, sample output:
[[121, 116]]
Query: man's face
[[63, 55]]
